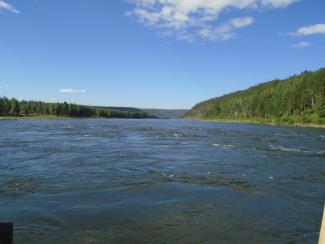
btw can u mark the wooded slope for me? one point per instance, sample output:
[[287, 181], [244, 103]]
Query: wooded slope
[[298, 99]]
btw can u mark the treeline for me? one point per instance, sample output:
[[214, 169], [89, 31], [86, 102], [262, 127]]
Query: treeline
[[13, 107], [298, 99]]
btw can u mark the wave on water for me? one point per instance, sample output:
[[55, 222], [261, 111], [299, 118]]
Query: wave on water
[[68, 127], [177, 135], [222, 145], [284, 149]]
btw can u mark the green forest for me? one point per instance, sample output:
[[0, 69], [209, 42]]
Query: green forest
[[298, 99], [13, 107]]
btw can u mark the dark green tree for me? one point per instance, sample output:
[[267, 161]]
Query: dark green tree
[[15, 107]]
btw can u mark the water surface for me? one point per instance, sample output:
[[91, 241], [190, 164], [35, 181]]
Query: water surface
[[160, 181]]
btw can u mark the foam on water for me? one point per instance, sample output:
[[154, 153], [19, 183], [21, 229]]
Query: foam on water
[[281, 148]]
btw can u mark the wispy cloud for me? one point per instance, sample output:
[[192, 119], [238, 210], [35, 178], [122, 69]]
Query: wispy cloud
[[301, 45], [311, 30], [196, 18], [70, 90], [8, 7], [225, 31], [277, 3]]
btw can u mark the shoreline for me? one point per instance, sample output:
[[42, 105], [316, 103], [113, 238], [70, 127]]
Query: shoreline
[[318, 126], [57, 117], [32, 117]]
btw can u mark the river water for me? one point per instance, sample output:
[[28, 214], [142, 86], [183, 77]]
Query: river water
[[160, 181]]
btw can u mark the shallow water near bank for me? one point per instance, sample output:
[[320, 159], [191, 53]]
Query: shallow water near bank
[[165, 181]]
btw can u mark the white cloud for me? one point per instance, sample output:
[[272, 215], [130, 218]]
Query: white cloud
[[194, 16], [8, 7], [226, 30], [241, 22], [70, 90], [311, 30], [301, 45], [278, 3]]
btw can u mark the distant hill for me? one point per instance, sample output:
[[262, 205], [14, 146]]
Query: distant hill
[[124, 109], [298, 99], [166, 113]]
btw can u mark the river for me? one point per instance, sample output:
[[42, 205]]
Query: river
[[160, 181]]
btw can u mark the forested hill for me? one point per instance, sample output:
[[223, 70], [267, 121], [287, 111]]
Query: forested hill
[[13, 107], [298, 99]]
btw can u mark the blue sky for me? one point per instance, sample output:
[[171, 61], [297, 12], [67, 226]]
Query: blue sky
[[153, 53]]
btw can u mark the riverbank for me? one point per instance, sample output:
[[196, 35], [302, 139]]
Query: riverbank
[[46, 117], [33, 117], [268, 122], [58, 117], [263, 122]]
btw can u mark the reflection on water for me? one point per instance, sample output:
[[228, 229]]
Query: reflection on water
[[166, 181]]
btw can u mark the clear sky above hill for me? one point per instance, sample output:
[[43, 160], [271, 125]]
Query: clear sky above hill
[[153, 53]]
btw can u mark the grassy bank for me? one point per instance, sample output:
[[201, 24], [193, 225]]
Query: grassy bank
[[266, 122]]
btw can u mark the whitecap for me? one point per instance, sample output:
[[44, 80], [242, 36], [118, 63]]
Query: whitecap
[[222, 145], [277, 134], [285, 149], [215, 144], [68, 127], [177, 135]]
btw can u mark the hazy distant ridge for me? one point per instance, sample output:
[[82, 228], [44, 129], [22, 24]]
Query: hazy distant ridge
[[166, 113]]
